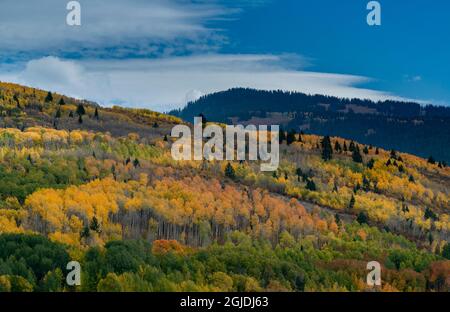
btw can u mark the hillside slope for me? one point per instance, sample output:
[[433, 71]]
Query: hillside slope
[[139, 221], [408, 127]]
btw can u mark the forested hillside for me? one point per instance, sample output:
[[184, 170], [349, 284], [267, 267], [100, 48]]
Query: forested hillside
[[99, 186], [408, 127]]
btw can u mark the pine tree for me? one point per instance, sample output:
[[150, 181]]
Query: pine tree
[[366, 150], [155, 125], [393, 154], [345, 147], [282, 136], [95, 225], [80, 119], [371, 163], [366, 184], [352, 202], [49, 97], [80, 110], [96, 114], [327, 149], [300, 138], [58, 113], [290, 137], [337, 218], [356, 155], [61, 101], [431, 160], [229, 171], [362, 218], [71, 114], [310, 185], [446, 251], [85, 233], [337, 147], [429, 214], [351, 148], [136, 163]]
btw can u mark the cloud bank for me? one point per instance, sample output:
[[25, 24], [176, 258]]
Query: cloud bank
[[110, 27], [167, 83]]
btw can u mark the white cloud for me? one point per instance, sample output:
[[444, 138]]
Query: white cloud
[[132, 26], [164, 84]]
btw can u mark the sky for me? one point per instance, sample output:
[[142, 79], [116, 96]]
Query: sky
[[160, 54]]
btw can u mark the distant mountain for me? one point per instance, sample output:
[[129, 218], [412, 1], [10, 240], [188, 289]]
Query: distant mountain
[[405, 126]]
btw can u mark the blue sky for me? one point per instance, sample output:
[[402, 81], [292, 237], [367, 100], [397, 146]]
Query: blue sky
[[160, 54], [409, 54]]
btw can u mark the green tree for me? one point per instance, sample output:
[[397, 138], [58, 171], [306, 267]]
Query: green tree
[[229, 171], [282, 135], [95, 225], [49, 97], [310, 185], [362, 218], [446, 251], [111, 283], [52, 281], [327, 149], [356, 155], [352, 202], [290, 137], [80, 110], [58, 113]]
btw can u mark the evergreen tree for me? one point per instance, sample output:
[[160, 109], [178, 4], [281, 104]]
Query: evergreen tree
[[362, 218], [352, 202], [337, 218], [393, 154], [351, 148], [85, 233], [446, 251], [49, 97], [282, 136], [290, 137], [80, 110], [136, 163], [356, 155], [80, 119], [71, 114], [96, 114], [95, 225], [366, 184], [345, 147], [337, 147], [327, 149], [429, 214], [310, 185], [371, 163], [366, 150], [58, 113], [431, 160], [61, 101], [229, 171]]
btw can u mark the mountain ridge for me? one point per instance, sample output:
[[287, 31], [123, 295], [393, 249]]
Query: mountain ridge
[[405, 126]]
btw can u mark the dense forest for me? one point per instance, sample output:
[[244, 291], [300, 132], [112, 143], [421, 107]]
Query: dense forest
[[423, 130], [99, 186]]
